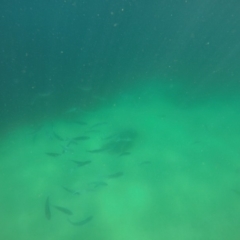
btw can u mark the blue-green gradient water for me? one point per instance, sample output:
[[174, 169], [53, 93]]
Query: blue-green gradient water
[[119, 120]]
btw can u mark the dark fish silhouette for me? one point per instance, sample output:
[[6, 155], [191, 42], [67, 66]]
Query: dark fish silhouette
[[47, 209], [124, 154], [63, 210], [81, 138], [82, 163], [115, 175], [80, 223], [74, 192], [52, 154], [57, 136], [93, 186]]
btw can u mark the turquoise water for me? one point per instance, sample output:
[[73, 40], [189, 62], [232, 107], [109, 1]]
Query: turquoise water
[[120, 120]]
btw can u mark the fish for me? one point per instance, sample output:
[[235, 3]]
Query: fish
[[124, 154], [74, 192], [52, 154], [47, 209], [82, 222], [93, 186], [115, 175], [63, 210], [81, 138], [71, 142], [82, 163], [57, 136], [98, 150]]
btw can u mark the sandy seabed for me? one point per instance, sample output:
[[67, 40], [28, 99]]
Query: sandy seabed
[[139, 168]]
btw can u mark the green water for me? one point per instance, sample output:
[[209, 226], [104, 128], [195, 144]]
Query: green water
[[120, 120], [180, 177]]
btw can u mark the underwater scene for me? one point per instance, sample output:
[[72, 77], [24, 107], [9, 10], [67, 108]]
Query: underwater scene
[[120, 120]]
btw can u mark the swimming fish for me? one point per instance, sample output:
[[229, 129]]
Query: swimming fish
[[81, 138], [92, 186], [81, 163], [98, 150], [63, 210], [47, 209], [115, 175], [124, 154], [80, 223], [57, 136], [74, 192], [52, 154]]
